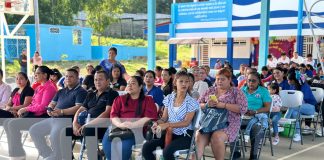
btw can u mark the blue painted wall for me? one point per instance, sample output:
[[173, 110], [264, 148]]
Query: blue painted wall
[[53, 45], [236, 64], [123, 52]]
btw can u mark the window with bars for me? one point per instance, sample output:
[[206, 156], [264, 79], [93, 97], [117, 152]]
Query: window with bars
[[307, 45], [224, 43], [77, 37]]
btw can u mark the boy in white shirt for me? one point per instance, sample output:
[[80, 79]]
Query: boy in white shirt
[[309, 60], [297, 59], [271, 62], [284, 59]]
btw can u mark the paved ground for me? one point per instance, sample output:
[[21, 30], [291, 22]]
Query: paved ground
[[309, 151]]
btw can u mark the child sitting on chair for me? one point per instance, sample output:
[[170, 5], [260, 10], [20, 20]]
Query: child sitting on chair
[[275, 114]]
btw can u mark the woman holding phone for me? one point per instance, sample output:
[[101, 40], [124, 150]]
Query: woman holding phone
[[225, 96]]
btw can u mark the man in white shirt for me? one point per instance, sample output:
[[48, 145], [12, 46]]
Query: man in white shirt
[[297, 59], [284, 59], [309, 60], [271, 62]]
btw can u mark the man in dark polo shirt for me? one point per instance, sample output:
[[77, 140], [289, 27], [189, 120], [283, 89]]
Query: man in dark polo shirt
[[98, 104], [62, 108]]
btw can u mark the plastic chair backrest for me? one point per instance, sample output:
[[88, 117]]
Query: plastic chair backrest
[[196, 119], [318, 94], [291, 98], [122, 93]]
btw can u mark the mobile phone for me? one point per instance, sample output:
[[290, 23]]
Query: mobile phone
[[213, 97], [50, 109]]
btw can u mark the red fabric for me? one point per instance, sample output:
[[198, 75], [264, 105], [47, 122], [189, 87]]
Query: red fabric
[[119, 109], [158, 81], [16, 99], [241, 84], [35, 85], [268, 79]]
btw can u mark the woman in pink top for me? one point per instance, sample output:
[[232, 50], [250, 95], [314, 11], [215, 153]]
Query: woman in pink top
[[43, 94], [20, 97], [37, 59], [36, 110]]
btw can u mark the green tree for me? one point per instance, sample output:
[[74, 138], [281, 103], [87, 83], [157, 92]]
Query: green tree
[[53, 12], [140, 6], [101, 13]]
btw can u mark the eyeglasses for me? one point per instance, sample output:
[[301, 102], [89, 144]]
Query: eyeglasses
[[252, 80]]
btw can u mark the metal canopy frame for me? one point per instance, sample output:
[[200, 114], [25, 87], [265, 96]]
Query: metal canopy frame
[[6, 34]]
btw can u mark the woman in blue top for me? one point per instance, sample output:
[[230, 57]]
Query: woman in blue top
[[178, 114], [152, 90], [259, 101], [308, 106], [280, 78]]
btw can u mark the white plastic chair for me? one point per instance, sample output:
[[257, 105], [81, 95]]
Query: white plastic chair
[[195, 124], [319, 95], [291, 99], [122, 93]]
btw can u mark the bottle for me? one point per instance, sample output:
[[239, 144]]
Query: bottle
[[88, 118]]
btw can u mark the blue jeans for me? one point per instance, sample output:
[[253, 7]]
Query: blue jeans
[[305, 109], [114, 147], [260, 119], [275, 117]]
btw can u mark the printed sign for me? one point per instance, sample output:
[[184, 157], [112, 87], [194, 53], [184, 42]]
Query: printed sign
[[202, 11]]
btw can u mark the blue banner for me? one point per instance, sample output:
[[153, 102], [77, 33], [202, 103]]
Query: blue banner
[[202, 11]]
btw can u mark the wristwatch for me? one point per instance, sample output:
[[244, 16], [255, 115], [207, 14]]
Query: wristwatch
[[62, 113]]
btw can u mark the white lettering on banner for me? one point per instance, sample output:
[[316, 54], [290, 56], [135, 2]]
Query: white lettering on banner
[[203, 11]]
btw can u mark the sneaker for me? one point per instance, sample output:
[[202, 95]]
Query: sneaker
[[275, 141], [319, 132], [297, 137], [246, 138], [18, 158], [281, 129], [306, 130]]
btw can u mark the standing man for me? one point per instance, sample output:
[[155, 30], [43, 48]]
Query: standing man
[[62, 108], [23, 61], [107, 64]]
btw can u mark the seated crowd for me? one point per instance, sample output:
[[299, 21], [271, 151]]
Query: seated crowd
[[164, 101]]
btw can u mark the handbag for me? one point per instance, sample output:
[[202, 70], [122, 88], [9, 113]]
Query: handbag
[[213, 119], [124, 133], [120, 133]]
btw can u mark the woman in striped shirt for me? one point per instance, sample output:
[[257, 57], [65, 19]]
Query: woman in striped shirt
[[178, 114]]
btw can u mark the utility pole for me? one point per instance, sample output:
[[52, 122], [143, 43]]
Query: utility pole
[[37, 28]]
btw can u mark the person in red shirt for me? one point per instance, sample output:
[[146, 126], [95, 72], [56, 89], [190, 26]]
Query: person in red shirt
[[158, 72], [134, 105]]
